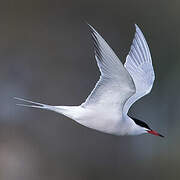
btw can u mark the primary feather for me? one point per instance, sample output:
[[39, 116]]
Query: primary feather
[[139, 65]]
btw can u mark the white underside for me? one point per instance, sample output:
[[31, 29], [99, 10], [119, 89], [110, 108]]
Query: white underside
[[101, 119]]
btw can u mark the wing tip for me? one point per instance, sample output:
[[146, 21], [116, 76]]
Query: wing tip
[[91, 28], [138, 30]]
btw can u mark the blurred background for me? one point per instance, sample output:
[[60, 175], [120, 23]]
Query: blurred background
[[46, 55]]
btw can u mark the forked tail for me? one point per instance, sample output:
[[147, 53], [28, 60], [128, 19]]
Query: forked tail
[[35, 104], [69, 111]]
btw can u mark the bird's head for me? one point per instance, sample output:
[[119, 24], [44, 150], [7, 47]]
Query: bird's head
[[145, 128]]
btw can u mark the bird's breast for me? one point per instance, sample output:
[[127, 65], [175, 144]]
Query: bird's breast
[[101, 120]]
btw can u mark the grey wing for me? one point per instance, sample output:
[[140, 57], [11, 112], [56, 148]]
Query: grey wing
[[115, 85], [139, 65]]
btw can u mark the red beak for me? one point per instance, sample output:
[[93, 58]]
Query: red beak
[[154, 133]]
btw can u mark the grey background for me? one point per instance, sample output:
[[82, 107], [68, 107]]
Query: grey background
[[46, 55]]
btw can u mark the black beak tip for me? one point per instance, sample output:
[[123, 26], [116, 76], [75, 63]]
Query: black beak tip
[[161, 135]]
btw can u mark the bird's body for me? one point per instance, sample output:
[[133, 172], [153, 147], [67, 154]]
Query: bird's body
[[118, 88]]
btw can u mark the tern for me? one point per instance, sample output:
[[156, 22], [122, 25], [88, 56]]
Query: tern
[[106, 108]]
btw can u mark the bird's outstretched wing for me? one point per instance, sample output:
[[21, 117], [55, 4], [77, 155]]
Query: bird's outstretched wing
[[115, 85], [139, 65]]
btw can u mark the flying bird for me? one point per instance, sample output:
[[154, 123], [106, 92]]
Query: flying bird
[[106, 108]]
